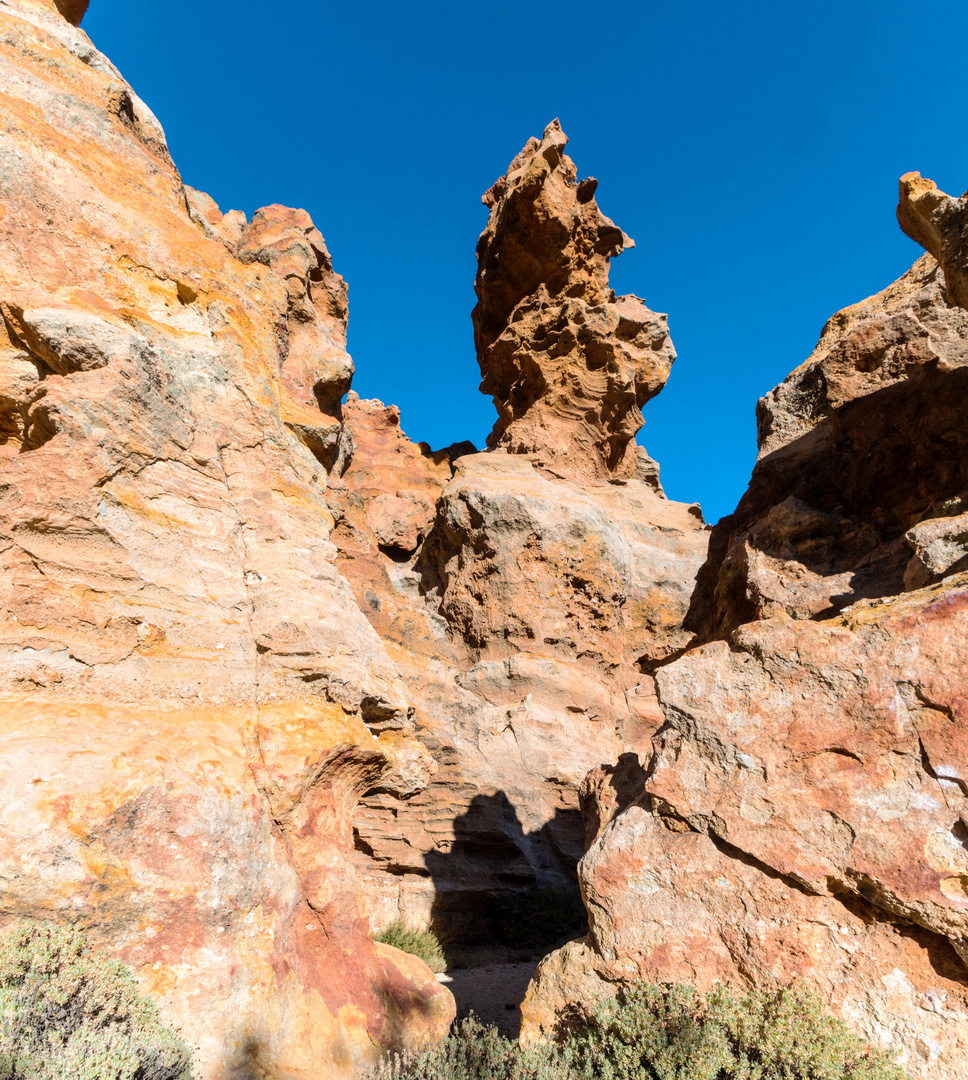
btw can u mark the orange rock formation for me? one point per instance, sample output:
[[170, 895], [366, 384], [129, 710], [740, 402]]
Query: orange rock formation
[[804, 810], [273, 675], [568, 364], [190, 700], [526, 596]]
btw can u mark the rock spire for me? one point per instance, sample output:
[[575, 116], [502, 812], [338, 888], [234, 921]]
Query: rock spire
[[568, 364]]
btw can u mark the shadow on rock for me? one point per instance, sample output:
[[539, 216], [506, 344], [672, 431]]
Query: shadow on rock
[[496, 871]]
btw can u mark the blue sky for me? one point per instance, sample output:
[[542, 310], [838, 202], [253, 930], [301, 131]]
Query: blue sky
[[752, 150]]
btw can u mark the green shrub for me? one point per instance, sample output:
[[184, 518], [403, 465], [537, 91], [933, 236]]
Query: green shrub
[[538, 917], [422, 943], [665, 1033], [657, 1033], [67, 1014], [475, 1052]]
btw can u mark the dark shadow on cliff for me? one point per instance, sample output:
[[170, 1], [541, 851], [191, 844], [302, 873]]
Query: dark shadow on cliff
[[870, 470], [501, 884]]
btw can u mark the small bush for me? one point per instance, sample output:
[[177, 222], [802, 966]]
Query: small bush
[[67, 1014], [666, 1033], [422, 943], [538, 917], [475, 1052], [788, 1033]]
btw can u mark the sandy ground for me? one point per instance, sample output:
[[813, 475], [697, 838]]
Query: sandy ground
[[492, 987]]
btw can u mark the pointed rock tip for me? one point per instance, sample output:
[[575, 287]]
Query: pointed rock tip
[[912, 185], [553, 132], [72, 10]]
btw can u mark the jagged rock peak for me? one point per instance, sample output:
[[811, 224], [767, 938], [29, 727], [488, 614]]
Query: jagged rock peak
[[568, 364], [803, 812], [939, 223]]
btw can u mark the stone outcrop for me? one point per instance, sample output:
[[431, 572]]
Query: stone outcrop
[[527, 593], [860, 445], [938, 223], [190, 700], [72, 10], [804, 817], [526, 615], [272, 675], [315, 367], [526, 598], [568, 364], [804, 812]]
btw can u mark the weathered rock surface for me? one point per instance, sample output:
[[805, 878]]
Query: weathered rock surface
[[805, 811], [861, 444], [938, 223], [190, 700], [568, 364], [804, 817], [525, 615], [316, 369], [233, 647]]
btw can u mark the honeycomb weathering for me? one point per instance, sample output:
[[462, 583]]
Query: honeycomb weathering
[[568, 364]]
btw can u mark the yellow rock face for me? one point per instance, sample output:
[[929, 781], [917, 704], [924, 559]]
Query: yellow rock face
[[189, 697]]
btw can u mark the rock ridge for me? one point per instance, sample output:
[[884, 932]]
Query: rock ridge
[[273, 675], [191, 703], [861, 479]]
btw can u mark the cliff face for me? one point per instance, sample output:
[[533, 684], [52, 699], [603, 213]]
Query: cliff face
[[857, 490], [193, 700], [525, 596], [272, 674], [190, 699], [805, 812]]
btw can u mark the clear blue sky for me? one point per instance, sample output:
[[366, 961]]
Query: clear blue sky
[[752, 150]]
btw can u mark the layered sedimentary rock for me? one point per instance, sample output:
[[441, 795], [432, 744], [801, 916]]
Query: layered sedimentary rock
[[568, 363], [245, 628], [190, 700], [525, 615], [862, 470], [804, 813], [526, 597]]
